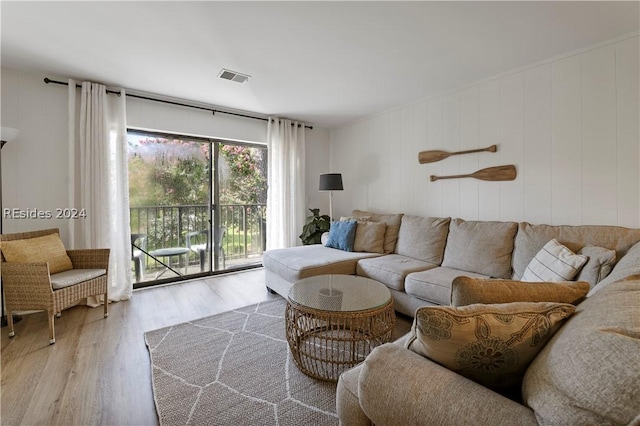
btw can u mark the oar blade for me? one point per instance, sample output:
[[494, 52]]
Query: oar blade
[[498, 173], [432, 156]]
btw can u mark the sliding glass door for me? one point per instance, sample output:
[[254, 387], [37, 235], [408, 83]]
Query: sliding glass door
[[197, 206]]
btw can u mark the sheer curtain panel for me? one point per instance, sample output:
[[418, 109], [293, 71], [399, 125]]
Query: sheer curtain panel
[[98, 180], [286, 194]]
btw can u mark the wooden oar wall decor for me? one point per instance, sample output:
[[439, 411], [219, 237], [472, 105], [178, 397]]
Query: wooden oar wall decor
[[494, 174], [437, 155], [498, 173]]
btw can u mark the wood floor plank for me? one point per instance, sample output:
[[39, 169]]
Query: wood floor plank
[[98, 371]]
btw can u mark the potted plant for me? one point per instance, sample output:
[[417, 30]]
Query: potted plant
[[316, 226]]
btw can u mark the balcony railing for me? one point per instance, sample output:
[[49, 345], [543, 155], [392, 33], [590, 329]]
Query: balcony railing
[[167, 226]]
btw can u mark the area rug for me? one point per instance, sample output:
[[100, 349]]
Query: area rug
[[235, 368]]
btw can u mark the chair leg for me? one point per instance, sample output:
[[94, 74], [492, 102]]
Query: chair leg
[[138, 266], [106, 305], [52, 330], [203, 259], [10, 319]]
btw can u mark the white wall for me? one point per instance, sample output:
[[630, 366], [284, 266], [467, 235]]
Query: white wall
[[569, 125], [35, 165]]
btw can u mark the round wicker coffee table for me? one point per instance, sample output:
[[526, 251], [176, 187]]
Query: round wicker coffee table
[[334, 321]]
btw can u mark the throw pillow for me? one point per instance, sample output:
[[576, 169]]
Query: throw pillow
[[599, 265], [467, 291], [342, 235], [489, 344], [48, 248], [392, 221], [554, 262], [369, 237]]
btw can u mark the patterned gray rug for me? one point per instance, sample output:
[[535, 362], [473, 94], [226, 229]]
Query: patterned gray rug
[[235, 368]]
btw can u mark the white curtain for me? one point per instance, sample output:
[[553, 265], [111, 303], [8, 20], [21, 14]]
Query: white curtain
[[98, 181], [286, 194]]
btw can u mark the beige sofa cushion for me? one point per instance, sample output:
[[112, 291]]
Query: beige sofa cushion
[[398, 387], [393, 226], [423, 238], [531, 238], [434, 285], [369, 237], [295, 263], [490, 344], [481, 247], [467, 291], [48, 249], [599, 264], [391, 269], [628, 266], [588, 373]]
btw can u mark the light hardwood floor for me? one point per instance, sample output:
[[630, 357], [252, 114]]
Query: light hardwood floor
[[98, 371]]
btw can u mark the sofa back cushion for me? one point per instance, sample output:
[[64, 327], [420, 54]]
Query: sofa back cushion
[[393, 226], [423, 238], [481, 247], [588, 372], [531, 238]]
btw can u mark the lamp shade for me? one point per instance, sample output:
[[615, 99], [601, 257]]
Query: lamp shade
[[331, 182], [8, 134]]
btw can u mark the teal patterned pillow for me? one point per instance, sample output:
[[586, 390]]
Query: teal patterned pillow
[[342, 235]]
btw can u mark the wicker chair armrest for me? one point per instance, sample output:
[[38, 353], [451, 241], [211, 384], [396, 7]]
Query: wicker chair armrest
[[90, 258], [19, 279]]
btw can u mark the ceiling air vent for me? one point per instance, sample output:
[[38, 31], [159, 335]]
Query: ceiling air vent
[[233, 76]]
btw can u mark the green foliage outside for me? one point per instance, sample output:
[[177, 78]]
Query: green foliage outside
[[172, 173]]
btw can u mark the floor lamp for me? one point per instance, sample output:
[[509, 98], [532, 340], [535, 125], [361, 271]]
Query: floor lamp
[[8, 134], [331, 182]]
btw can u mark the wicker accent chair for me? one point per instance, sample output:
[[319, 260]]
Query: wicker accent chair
[[28, 286]]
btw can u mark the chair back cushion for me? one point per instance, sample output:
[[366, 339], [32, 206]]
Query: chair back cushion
[[47, 248]]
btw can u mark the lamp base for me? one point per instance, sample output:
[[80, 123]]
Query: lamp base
[[5, 321]]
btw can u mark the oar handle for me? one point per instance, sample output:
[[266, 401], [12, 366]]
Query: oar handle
[[435, 178], [492, 148]]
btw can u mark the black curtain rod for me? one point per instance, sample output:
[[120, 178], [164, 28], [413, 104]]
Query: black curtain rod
[[214, 111]]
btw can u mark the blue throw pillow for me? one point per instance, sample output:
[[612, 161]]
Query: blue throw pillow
[[342, 235]]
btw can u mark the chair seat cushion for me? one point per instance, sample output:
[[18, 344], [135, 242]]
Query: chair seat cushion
[[74, 276]]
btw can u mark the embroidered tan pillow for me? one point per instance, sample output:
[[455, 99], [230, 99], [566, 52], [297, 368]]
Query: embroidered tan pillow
[[48, 248], [489, 344], [467, 291]]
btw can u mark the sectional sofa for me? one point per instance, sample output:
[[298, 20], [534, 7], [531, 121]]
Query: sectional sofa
[[419, 257], [584, 374]]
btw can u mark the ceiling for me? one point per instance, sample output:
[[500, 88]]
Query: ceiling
[[325, 63]]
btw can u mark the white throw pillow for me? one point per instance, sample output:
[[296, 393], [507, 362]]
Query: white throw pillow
[[554, 262]]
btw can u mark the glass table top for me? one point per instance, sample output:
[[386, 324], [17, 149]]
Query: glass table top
[[339, 293]]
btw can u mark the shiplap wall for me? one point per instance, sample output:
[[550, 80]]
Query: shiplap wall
[[569, 125]]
